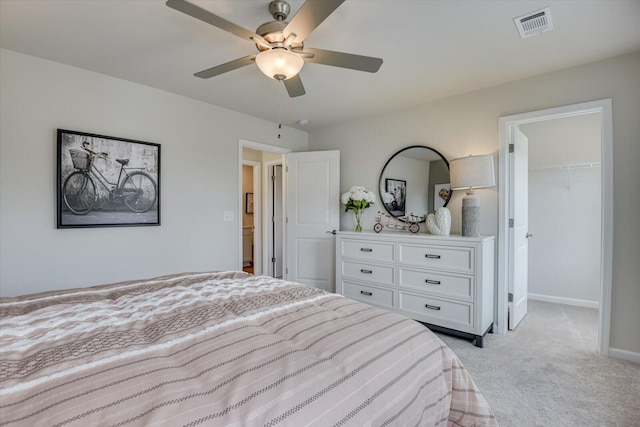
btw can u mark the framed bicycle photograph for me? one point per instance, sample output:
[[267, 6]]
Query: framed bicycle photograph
[[104, 181]]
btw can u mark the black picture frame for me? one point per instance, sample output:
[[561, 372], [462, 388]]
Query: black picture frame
[[398, 189], [248, 203], [105, 181]]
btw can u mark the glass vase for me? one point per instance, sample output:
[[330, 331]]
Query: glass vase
[[358, 218]]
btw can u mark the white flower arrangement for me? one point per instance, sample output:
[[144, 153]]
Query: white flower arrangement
[[357, 199]]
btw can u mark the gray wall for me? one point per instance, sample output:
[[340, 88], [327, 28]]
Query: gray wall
[[468, 124], [200, 177]]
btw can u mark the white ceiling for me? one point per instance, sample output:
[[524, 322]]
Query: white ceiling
[[431, 49]]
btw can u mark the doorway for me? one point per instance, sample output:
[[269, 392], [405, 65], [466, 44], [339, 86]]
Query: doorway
[[564, 209], [258, 228], [250, 233], [506, 181]]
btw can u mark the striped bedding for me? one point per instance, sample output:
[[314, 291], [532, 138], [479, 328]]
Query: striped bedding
[[224, 349]]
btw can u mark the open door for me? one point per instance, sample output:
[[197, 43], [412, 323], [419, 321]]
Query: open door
[[519, 232], [312, 215]]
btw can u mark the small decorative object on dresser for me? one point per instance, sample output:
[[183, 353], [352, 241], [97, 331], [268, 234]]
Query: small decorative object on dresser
[[409, 222], [357, 199], [440, 222], [446, 283]]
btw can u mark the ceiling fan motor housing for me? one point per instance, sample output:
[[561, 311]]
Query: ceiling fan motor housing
[[272, 32], [279, 9]]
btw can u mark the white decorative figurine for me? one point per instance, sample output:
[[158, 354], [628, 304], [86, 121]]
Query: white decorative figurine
[[440, 223]]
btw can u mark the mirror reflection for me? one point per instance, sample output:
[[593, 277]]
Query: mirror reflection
[[415, 181]]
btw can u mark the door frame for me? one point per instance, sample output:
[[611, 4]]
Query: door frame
[[243, 143], [604, 107], [268, 208]]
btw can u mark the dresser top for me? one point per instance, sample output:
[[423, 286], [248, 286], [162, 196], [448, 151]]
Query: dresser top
[[413, 236]]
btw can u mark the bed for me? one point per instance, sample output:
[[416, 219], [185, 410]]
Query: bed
[[224, 349]]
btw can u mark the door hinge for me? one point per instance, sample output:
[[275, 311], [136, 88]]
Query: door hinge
[[512, 148], [273, 259], [273, 219], [511, 222], [510, 297], [273, 177]]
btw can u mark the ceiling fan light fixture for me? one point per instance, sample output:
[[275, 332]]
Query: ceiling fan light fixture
[[279, 63]]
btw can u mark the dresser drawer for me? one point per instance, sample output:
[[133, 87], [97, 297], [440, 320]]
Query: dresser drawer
[[369, 294], [436, 283], [450, 314], [368, 250], [450, 258], [383, 274]]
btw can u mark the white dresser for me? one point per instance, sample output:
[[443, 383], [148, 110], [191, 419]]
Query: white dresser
[[446, 282]]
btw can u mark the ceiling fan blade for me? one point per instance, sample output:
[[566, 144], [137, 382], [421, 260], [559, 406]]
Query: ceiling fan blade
[[344, 60], [208, 17], [229, 66], [302, 53], [294, 86], [309, 16]]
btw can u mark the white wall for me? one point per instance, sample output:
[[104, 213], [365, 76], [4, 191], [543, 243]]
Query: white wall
[[568, 140], [468, 124], [199, 177], [564, 209]]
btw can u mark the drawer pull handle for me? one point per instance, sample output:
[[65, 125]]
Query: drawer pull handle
[[366, 293], [366, 271], [432, 256], [432, 307], [366, 249], [433, 282]]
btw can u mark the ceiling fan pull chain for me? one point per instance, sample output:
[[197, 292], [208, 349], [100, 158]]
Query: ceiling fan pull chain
[[279, 111]]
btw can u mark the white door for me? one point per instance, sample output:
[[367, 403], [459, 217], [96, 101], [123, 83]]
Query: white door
[[519, 233], [312, 213]]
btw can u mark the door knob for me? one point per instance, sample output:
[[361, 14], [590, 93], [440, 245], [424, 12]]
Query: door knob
[[331, 232], [528, 235]]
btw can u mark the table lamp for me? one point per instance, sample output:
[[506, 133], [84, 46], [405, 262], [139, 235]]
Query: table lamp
[[469, 173]]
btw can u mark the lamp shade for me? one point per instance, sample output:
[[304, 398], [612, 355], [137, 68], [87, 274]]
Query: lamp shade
[[472, 172], [279, 63]]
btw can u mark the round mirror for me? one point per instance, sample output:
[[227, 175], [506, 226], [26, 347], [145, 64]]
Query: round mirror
[[415, 181]]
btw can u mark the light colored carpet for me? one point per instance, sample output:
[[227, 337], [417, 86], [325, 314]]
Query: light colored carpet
[[547, 372]]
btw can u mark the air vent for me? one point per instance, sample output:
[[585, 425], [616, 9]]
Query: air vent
[[534, 23]]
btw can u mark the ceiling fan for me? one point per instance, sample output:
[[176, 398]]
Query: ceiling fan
[[281, 43]]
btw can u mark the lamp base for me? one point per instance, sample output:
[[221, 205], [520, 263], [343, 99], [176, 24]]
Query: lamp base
[[470, 215]]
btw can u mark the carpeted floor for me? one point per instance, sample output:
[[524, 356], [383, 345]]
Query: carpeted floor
[[547, 372]]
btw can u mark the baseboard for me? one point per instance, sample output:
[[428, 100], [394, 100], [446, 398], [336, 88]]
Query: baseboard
[[616, 353], [566, 301]]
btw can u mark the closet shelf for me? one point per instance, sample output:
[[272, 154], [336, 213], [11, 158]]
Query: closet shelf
[[569, 167]]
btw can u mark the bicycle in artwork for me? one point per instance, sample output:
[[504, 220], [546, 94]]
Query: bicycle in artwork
[[136, 188]]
